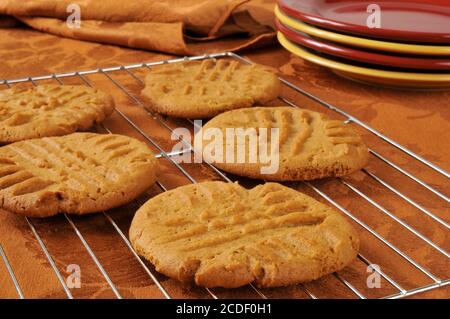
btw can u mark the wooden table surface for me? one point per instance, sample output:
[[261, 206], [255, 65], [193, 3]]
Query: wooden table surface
[[418, 120]]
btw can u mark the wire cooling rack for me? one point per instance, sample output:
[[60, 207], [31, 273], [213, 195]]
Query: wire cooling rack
[[413, 274]]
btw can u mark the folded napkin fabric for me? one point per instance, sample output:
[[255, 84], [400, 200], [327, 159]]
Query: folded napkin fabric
[[182, 27]]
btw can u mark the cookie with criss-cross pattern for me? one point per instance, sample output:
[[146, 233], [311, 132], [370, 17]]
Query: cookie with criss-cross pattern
[[223, 235], [202, 89], [308, 145], [79, 173], [50, 110]]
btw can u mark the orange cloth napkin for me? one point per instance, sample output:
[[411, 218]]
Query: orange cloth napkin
[[182, 27]]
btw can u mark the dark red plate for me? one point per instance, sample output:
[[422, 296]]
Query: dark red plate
[[338, 50], [404, 20]]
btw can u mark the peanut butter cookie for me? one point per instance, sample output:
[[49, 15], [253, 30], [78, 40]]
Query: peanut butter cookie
[[79, 173], [223, 235], [50, 110], [304, 145], [202, 89]]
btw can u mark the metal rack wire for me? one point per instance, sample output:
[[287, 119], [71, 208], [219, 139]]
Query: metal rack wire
[[82, 76]]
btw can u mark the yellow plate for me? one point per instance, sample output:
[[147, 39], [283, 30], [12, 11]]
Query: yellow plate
[[390, 78], [361, 42]]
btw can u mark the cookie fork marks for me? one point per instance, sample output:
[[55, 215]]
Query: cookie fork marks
[[202, 89], [230, 236], [310, 146], [235, 145], [78, 173], [50, 110]]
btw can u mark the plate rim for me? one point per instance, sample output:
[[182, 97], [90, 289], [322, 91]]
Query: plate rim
[[379, 57], [384, 74], [362, 42], [382, 33]]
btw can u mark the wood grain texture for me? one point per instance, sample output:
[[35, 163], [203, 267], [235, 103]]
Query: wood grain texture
[[419, 120]]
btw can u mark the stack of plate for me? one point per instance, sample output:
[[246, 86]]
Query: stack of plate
[[390, 42]]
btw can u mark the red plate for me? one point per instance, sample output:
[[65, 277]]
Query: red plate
[[360, 55], [405, 20]]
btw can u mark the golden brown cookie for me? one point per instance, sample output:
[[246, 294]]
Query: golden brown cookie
[[223, 235], [50, 110], [310, 145], [79, 173], [201, 89]]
